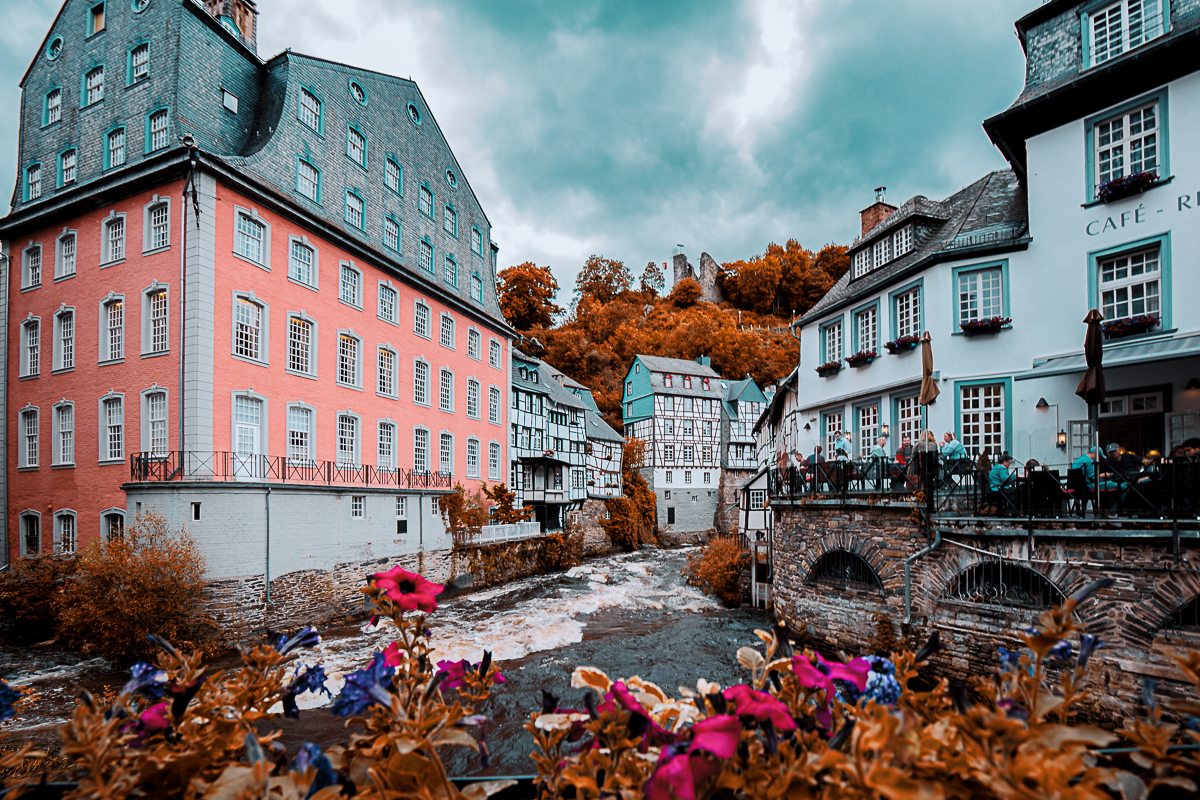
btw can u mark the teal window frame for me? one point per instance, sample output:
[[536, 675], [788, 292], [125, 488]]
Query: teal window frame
[[432, 199], [354, 127], [58, 183], [826, 413], [320, 129], [87, 19], [1089, 138], [390, 158], [477, 281], [320, 180], [129, 81], [399, 233], [894, 402], [427, 266], [353, 190], [1085, 31], [1163, 240], [449, 258], [46, 104], [25, 181], [149, 136], [108, 150], [83, 92], [855, 429], [476, 250], [1005, 309], [1008, 409], [350, 84], [450, 207], [50, 47], [894, 318], [409, 109], [858, 346], [826, 325]]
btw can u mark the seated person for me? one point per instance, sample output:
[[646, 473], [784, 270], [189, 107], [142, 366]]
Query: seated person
[[904, 454], [880, 448], [1089, 463], [815, 458], [952, 448], [840, 455], [1113, 461], [1002, 479]]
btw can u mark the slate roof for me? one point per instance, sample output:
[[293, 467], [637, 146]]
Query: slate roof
[[681, 366], [546, 384], [990, 214], [597, 428]]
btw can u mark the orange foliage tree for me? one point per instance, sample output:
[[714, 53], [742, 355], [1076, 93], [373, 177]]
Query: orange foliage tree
[[603, 279], [686, 293], [786, 279], [632, 518], [527, 294], [653, 281], [503, 511]]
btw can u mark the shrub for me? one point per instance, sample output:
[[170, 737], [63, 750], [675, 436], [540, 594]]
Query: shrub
[[718, 568], [148, 581], [30, 591], [686, 293], [560, 551], [632, 519]]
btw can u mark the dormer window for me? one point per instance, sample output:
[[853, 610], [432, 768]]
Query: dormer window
[[862, 262], [667, 381], [882, 252], [687, 381], [1121, 27], [902, 241]]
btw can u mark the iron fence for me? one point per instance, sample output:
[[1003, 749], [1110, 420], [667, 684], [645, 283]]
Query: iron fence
[[190, 465], [1005, 585], [841, 569]]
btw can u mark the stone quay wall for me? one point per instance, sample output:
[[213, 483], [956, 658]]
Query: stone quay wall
[[1130, 617]]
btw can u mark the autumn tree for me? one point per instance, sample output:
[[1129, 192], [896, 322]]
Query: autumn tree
[[751, 284], [503, 512], [602, 279], [653, 281], [686, 293], [527, 294], [632, 519]]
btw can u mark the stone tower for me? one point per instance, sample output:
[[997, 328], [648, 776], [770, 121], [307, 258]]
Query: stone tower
[[706, 275]]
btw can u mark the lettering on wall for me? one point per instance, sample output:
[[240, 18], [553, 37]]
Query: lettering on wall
[[1136, 216]]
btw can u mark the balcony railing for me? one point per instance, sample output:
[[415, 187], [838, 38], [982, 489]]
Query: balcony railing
[[189, 465], [1166, 489]]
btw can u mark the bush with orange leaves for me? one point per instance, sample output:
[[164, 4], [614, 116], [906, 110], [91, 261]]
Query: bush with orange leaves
[[718, 569]]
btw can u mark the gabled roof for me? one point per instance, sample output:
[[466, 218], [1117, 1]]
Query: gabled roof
[[745, 389], [546, 383], [681, 366], [597, 428]]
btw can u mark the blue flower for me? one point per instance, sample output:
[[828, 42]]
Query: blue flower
[[1009, 658], [310, 755], [1061, 650], [882, 686], [306, 637], [8, 699], [1087, 645], [147, 679], [311, 680], [364, 688]]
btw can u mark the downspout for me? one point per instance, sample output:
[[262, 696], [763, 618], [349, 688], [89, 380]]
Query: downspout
[[937, 539], [267, 568]]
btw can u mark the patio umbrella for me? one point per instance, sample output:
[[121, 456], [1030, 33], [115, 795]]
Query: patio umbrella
[[929, 387], [1091, 385]]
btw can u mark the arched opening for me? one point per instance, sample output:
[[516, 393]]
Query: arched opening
[[1183, 622], [841, 569], [1005, 585]]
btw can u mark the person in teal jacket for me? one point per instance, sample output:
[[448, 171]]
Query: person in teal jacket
[[1002, 480], [1087, 463], [952, 448]]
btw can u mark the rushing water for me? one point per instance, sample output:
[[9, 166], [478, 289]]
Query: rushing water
[[629, 614]]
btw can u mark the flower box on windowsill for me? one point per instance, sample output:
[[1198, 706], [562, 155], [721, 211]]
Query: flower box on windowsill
[[829, 368], [976, 327], [903, 344], [1130, 326], [862, 358], [1119, 188]]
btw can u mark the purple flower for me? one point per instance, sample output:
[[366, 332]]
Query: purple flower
[[1061, 650], [8, 701], [305, 637], [147, 679], [456, 673], [310, 755], [364, 688], [1087, 645], [1009, 658], [1012, 709], [311, 680]]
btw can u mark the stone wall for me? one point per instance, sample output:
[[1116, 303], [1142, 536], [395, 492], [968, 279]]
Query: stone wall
[[595, 539], [1128, 618], [728, 495]]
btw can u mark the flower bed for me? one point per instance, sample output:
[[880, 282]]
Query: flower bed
[[989, 325], [862, 358], [1129, 326], [902, 344], [829, 368], [1118, 188]]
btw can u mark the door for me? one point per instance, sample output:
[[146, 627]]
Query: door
[[247, 463]]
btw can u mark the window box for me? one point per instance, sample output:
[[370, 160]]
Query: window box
[[976, 327], [829, 368], [1118, 188], [902, 344], [1130, 326], [862, 358]]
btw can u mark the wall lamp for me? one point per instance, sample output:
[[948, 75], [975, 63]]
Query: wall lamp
[[1061, 441], [885, 429], [1192, 384], [807, 427]]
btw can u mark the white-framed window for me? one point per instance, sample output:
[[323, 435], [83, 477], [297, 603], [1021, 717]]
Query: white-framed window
[[420, 450], [425, 201], [420, 382], [159, 134], [688, 452], [387, 302], [309, 110], [28, 431], [391, 234], [868, 428], [356, 147], [494, 461], [349, 347], [302, 338], [494, 354], [357, 505], [425, 255], [354, 209], [401, 507], [450, 271], [1127, 144], [155, 308], [832, 422], [113, 239], [66, 534], [115, 155], [32, 276], [1144, 403], [69, 160], [980, 294], [494, 405], [447, 331], [882, 251], [446, 454], [308, 180], [247, 328], [477, 287], [908, 312], [832, 336], [31, 347], [112, 435], [350, 285], [668, 452], [156, 221], [450, 221], [95, 85], [1130, 284], [902, 241], [302, 262], [391, 175], [576, 479], [758, 499], [53, 106], [473, 398], [33, 182], [139, 62], [472, 458], [64, 334], [446, 390], [112, 328], [474, 344], [867, 323], [908, 417], [63, 452], [155, 426], [476, 241], [347, 440], [387, 371], [300, 448], [421, 319], [386, 456], [669, 477], [250, 238], [982, 420], [1123, 26]]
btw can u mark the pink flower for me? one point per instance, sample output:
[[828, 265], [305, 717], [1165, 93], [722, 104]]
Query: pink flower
[[392, 656], [718, 735], [456, 673], [683, 765], [153, 720], [823, 675], [408, 589], [761, 706]]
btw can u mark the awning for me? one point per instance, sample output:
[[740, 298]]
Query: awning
[[1117, 355]]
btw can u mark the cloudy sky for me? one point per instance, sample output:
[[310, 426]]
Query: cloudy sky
[[626, 127]]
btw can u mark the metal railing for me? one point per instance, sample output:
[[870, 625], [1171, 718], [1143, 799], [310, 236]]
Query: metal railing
[[189, 465], [507, 532]]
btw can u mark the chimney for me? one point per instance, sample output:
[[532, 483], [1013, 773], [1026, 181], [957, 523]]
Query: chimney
[[704, 361], [877, 212]]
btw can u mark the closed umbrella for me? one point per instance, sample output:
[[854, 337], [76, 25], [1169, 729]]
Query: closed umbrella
[[1091, 386], [929, 387]]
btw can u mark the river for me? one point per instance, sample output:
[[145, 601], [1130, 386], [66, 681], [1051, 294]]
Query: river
[[627, 614]]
